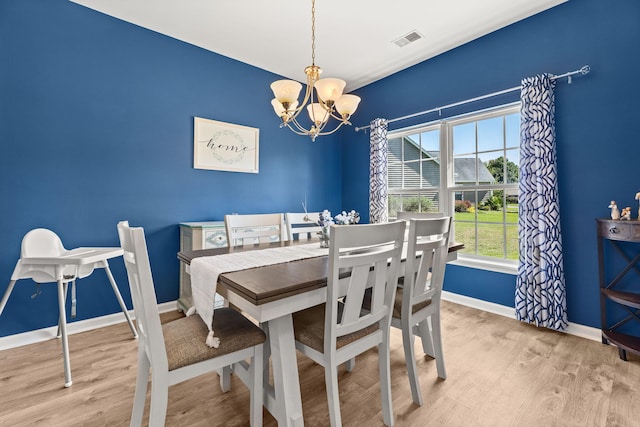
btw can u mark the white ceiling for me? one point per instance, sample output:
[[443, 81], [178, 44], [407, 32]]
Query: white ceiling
[[354, 38]]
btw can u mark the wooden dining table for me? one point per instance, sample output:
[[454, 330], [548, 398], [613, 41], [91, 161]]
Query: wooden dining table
[[270, 295]]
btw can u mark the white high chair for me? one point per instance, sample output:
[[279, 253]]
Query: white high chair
[[44, 259]]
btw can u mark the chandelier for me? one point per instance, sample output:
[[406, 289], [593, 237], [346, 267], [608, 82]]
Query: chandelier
[[327, 101]]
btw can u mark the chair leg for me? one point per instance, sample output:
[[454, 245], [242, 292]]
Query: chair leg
[[256, 388], [437, 344], [120, 301], [159, 398], [333, 395], [410, 361], [384, 362], [142, 382], [225, 378], [5, 298], [350, 364], [425, 336], [63, 331]]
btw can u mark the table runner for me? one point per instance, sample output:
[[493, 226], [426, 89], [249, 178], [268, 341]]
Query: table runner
[[205, 272]]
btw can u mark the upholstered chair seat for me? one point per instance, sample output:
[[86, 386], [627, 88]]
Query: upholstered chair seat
[[185, 338], [310, 328]]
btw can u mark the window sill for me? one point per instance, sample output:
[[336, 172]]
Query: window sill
[[489, 265]]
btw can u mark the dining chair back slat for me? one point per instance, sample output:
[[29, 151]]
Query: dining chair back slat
[[302, 225], [250, 229]]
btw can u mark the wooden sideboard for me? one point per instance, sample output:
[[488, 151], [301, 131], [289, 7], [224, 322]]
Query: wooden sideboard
[[194, 236], [616, 291]]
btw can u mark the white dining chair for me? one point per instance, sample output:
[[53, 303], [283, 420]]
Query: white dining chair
[[302, 225], [333, 333], [254, 228], [416, 309], [176, 351]]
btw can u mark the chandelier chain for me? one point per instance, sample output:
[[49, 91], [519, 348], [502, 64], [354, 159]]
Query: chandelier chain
[[313, 32]]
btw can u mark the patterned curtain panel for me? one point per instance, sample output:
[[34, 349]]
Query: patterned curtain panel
[[378, 196], [540, 287]]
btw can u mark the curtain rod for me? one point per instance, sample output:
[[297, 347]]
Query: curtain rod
[[582, 71]]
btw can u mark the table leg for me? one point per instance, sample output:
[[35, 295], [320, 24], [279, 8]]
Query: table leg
[[119, 297], [285, 372], [266, 355], [63, 331]]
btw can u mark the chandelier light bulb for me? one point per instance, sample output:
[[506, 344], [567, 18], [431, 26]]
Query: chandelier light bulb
[[317, 113], [329, 90], [286, 91], [347, 105], [280, 110]]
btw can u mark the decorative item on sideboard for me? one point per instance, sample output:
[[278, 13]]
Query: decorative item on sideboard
[[325, 221], [638, 199], [615, 213], [626, 213]]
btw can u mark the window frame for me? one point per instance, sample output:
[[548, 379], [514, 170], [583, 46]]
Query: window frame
[[447, 188]]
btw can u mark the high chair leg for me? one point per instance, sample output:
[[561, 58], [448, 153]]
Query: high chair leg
[[5, 298]]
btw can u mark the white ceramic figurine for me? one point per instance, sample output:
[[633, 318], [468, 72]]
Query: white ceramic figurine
[[638, 199], [626, 213], [615, 213]]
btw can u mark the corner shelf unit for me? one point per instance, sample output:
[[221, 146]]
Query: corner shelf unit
[[613, 232]]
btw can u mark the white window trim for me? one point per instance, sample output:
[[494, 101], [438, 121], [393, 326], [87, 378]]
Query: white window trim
[[447, 191], [505, 266]]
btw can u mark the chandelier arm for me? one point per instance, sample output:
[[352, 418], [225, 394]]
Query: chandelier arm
[[298, 129], [319, 130], [297, 132], [334, 113], [298, 126], [308, 94], [320, 133]]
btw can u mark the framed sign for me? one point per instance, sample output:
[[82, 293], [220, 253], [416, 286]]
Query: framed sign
[[224, 146]]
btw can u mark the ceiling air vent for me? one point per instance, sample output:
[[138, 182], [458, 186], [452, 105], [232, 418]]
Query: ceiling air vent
[[408, 38]]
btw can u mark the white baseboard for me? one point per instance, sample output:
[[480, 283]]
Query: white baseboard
[[44, 334], [502, 310], [31, 337]]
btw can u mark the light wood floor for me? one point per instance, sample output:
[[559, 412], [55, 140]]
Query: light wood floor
[[500, 373]]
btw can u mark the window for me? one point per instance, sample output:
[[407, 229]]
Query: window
[[468, 168], [414, 171]]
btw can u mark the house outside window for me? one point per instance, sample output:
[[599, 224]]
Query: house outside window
[[466, 167]]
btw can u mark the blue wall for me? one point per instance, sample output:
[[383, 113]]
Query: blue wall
[[96, 126], [596, 117]]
